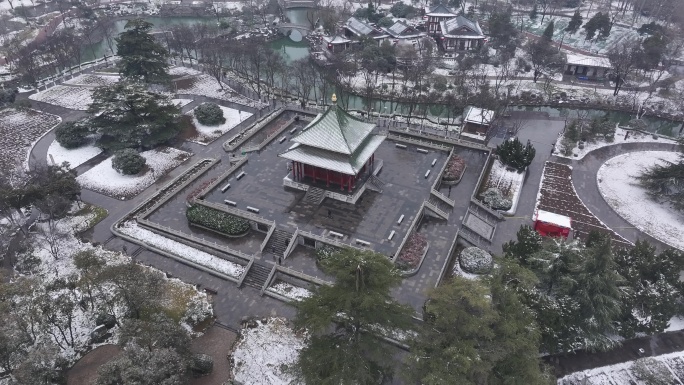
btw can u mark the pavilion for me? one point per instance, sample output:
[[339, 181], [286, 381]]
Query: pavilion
[[335, 148]]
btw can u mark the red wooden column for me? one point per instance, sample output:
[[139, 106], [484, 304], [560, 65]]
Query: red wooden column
[[314, 174], [349, 182], [327, 178]]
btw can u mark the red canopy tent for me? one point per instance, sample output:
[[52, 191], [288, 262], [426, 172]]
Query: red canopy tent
[[552, 225]]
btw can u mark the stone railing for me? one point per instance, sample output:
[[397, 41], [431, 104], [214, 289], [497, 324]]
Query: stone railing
[[244, 275], [447, 260], [435, 186], [436, 209], [267, 237], [438, 138], [480, 180], [293, 243], [413, 224], [418, 142], [329, 241], [239, 139], [237, 212], [240, 162]]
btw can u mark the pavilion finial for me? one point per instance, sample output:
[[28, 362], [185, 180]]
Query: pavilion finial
[[334, 98]]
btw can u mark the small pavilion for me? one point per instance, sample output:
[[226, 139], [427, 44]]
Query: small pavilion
[[336, 148]]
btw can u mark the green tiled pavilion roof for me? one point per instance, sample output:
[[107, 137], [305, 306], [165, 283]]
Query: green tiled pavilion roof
[[335, 130]]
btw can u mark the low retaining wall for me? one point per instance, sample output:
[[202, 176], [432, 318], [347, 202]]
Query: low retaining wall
[[247, 135], [414, 271], [412, 226]]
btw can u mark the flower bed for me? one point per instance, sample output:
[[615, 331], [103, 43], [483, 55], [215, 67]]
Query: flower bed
[[476, 261], [19, 128], [412, 252], [217, 220], [454, 169]]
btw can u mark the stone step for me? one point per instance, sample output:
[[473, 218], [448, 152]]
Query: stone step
[[257, 275]]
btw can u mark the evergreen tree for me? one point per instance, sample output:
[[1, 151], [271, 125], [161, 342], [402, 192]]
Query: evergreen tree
[[665, 182], [512, 153], [127, 115], [344, 317], [548, 32], [599, 22], [597, 294], [142, 58], [534, 12], [575, 22], [528, 243], [502, 32]]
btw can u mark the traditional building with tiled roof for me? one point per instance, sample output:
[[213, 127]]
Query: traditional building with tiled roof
[[461, 34], [401, 30], [335, 148], [357, 29], [436, 15]]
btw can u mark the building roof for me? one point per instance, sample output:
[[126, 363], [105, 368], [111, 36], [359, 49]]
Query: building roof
[[554, 219], [440, 10], [337, 39], [460, 26], [401, 29], [359, 28], [589, 61], [335, 130], [477, 115], [334, 161]]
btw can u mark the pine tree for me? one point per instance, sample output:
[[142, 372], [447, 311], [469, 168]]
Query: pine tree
[[528, 243], [142, 58], [512, 153], [129, 116], [548, 32], [575, 22], [534, 12], [343, 318], [665, 182]]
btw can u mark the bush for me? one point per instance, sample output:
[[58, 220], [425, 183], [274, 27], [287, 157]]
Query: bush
[[209, 114], [514, 154], [495, 200], [475, 261], [217, 220], [7, 96], [201, 365], [72, 134], [128, 162], [652, 372]]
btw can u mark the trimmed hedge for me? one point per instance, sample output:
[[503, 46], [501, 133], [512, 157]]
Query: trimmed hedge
[[476, 261], [72, 134], [217, 220], [209, 114], [128, 162]]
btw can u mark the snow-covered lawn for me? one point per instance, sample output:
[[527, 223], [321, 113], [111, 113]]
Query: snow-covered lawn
[[181, 250], [19, 129], [623, 373], [509, 182], [618, 186], [104, 179], [634, 137], [93, 80], [75, 156], [208, 133], [263, 353], [72, 97], [290, 291], [206, 85]]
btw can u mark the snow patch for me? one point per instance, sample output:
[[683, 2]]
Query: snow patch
[[290, 291], [75, 156], [620, 137], [233, 118], [75, 98]]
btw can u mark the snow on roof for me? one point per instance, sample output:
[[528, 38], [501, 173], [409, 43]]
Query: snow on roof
[[589, 61], [337, 39], [555, 219], [460, 26], [400, 27], [478, 115], [440, 10], [358, 27]]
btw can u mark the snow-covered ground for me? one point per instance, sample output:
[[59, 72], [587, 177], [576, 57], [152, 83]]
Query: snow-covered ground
[[182, 71], [75, 156], [206, 85], [19, 130], [290, 291], [180, 103], [181, 250], [104, 179], [75, 98], [634, 136], [622, 374], [508, 182], [93, 80], [618, 186], [207, 133], [263, 353]]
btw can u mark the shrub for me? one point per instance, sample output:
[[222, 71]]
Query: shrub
[[7, 96], [72, 134], [217, 220], [475, 261], [209, 114], [514, 154], [652, 372], [454, 168], [201, 364], [495, 199], [128, 162]]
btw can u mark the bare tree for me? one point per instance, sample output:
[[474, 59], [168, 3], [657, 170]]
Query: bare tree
[[623, 59]]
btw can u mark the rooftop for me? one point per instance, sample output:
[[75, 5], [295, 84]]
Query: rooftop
[[359, 28], [477, 115], [440, 10], [589, 61], [554, 219], [401, 29], [337, 39], [461, 26]]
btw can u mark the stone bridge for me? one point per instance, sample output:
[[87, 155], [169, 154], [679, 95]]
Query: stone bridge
[[286, 27], [288, 4]]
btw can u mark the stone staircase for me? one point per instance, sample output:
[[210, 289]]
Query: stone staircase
[[438, 206], [485, 215], [257, 275], [278, 243], [375, 184], [314, 196], [474, 238]]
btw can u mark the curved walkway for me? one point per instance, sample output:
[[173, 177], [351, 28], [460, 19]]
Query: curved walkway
[[584, 174]]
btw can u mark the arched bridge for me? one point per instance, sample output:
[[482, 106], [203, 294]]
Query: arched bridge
[[286, 27], [287, 4]]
